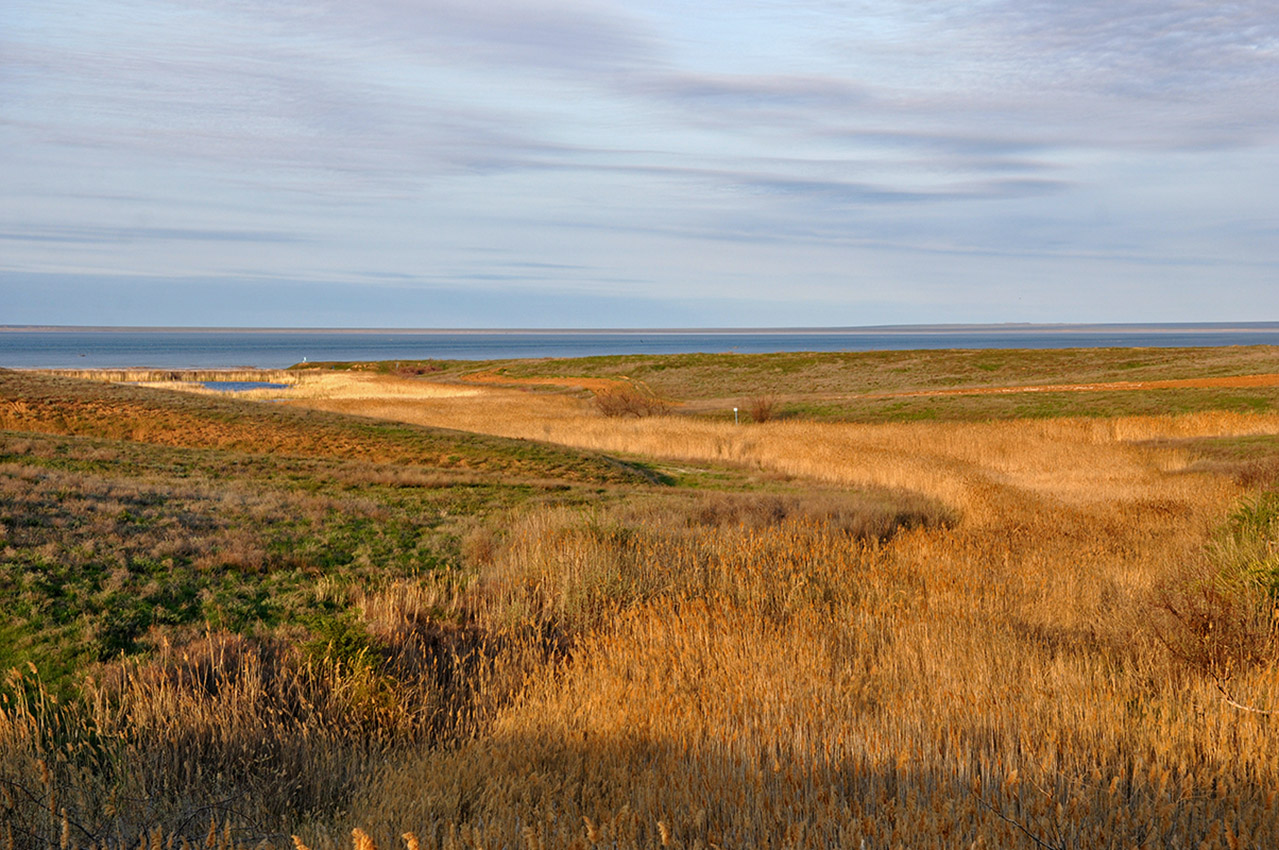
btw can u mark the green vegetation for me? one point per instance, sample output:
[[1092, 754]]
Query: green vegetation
[[691, 377], [149, 514], [403, 368], [1036, 405], [869, 386], [105, 546], [1249, 548]]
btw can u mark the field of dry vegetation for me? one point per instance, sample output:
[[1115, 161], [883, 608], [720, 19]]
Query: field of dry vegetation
[[451, 613]]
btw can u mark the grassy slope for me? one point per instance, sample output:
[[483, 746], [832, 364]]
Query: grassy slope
[[694, 376], [40, 403], [126, 513], [130, 514], [1037, 405], [102, 542], [833, 385]]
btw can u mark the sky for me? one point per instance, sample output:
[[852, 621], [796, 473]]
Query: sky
[[589, 163]]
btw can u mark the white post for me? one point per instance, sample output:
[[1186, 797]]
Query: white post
[[735, 422]]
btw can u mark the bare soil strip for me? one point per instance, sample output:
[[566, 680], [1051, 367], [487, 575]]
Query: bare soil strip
[[1229, 382]]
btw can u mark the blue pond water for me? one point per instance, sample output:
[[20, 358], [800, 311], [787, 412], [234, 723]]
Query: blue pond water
[[241, 386], [79, 348]]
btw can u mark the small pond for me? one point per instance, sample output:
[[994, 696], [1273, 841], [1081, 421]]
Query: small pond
[[241, 386]]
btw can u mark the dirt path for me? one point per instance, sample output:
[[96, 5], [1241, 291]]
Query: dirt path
[[1233, 381]]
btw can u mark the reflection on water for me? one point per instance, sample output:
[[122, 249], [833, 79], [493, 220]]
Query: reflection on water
[[241, 386], [275, 349]]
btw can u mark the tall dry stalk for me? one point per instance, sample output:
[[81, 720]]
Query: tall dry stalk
[[998, 681]]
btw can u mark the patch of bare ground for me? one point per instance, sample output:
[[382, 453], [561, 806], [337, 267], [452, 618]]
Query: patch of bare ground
[[1232, 382]]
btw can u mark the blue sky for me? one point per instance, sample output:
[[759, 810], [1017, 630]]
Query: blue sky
[[584, 163]]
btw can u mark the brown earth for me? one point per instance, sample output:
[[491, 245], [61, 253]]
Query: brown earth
[[1233, 381]]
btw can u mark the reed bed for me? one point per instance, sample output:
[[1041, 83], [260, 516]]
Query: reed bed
[[1015, 680], [351, 386], [150, 376], [796, 688], [963, 464], [298, 383], [1055, 658]]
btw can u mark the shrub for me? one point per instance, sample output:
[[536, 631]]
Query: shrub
[[762, 408], [1226, 620], [416, 369], [628, 401]]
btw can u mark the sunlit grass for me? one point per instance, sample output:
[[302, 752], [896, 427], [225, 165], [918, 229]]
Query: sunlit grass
[[1030, 633]]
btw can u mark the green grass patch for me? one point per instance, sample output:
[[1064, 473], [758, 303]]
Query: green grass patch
[[107, 546], [1037, 405], [691, 377]]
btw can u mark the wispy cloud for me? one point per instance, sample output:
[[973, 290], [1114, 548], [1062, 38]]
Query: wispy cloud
[[403, 139], [98, 235]]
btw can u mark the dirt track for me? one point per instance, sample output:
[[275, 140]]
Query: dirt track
[[1234, 381]]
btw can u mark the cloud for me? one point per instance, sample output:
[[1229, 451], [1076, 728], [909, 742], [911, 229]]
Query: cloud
[[1180, 50], [750, 91], [568, 36], [397, 140], [1149, 73], [104, 235]]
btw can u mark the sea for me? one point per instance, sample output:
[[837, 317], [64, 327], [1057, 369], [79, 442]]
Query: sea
[[207, 348]]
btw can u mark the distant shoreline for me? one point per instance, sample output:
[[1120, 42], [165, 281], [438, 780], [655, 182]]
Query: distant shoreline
[[266, 348], [1009, 327]]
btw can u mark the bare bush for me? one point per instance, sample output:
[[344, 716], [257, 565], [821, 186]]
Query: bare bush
[[762, 408], [416, 368], [628, 401]]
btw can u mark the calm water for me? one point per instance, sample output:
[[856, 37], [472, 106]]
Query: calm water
[[176, 349], [242, 386]]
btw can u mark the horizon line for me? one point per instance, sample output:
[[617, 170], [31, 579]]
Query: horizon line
[[991, 327]]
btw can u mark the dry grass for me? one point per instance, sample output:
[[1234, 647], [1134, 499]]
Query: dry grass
[[743, 675], [963, 464], [629, 401], [356, 385], [299, 383], [184, 376], [788, 689], [1005, 682], [44, 404]]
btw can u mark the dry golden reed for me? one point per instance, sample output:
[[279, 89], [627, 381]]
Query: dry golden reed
[[1004, 680], [189, 376]]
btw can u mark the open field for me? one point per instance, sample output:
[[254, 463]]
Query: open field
[[894, 386], [495, 617], [690, 376]]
